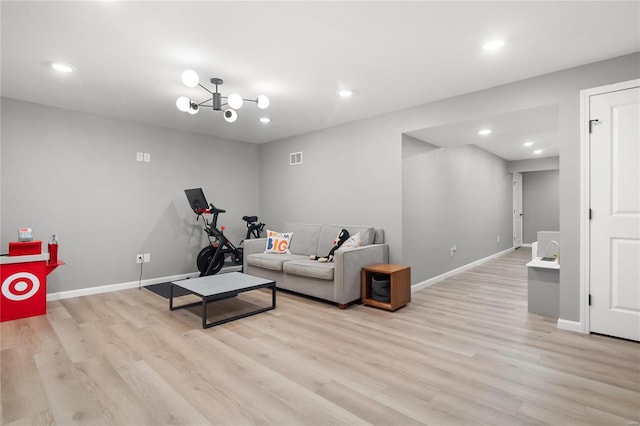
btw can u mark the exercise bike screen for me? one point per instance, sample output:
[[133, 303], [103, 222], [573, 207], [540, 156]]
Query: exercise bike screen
[[196, 199]]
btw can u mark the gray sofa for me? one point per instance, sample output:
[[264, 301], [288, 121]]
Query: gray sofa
[[337, 281]]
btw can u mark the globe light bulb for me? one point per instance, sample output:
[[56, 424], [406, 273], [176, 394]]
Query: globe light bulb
[[263, 102], [190, 78], [183, 103], [235, 101], [230, 115], [193, 109]]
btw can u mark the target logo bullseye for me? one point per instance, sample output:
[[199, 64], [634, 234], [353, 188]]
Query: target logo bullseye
[[20, 286]]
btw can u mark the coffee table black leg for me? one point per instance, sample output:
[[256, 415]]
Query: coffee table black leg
[[171, 297], [205, 324], [204, 312], [273, 296]]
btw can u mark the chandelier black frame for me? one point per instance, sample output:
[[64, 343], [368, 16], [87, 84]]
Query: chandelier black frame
[[233, 101]]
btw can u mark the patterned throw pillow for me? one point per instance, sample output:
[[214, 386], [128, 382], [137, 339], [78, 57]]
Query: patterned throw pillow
[[353, 241], [278, 242]]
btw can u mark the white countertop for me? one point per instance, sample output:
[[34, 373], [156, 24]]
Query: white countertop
[[545, 264], [7, 260]]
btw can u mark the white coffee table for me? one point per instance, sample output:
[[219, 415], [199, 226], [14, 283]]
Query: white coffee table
[[223, 286]]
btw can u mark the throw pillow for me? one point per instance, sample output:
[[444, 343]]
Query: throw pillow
[[278, 242], [353, 241]]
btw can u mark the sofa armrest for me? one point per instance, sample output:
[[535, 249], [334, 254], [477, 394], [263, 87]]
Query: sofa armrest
[[348, 264], [251, 246]]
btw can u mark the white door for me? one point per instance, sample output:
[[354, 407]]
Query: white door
[[615, 213], [517, 210]]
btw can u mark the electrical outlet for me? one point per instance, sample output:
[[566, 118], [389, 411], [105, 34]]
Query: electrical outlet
[[454, 249], [146, 257], [139, 258], [139, 156]]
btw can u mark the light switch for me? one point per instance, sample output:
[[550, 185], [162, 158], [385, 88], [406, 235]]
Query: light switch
[[147, 157], [139, 156]]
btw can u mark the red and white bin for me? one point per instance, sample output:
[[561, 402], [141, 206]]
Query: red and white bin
[[23, 278]]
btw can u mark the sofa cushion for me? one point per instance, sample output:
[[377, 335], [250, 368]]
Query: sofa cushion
[[367, 233], [328, 234], [310, 268], [305, 238], [271, 261], [278, 242], [353, 241]]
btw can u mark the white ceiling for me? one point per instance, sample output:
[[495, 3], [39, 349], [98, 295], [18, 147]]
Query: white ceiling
[[539, 126], [395, 55]]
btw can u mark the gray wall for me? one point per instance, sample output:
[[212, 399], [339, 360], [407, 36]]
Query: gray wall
[[540, 203], [349, 176], [354, 172], [453, 196], [76, 175]]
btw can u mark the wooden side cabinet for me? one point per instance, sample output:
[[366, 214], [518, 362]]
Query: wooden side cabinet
[[400, 285]]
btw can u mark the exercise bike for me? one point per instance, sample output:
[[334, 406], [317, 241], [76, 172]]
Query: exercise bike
[[211, 258], [254, 228]]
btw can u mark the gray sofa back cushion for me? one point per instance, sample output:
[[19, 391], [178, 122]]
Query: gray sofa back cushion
[[305, 238], [328, 233], [379, 239]]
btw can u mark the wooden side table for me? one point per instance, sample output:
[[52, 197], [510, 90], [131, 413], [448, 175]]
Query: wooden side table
[[400, 285]]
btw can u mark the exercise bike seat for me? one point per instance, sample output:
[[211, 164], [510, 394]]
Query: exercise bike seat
[[250, 219]]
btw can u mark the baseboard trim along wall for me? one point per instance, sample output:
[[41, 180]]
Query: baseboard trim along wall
[[432, 281], [567, 325], [526, 245], [116, 287]]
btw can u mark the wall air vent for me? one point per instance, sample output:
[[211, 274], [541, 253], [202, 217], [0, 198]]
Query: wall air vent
[[295, 158]]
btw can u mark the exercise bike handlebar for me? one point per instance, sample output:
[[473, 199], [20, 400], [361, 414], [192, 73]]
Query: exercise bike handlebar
[[211, 228], [212, 210]]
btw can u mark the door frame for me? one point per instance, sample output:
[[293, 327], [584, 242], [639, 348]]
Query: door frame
[[585, 191], [513, 202]]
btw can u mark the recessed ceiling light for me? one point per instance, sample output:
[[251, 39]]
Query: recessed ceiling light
[[265, 120], [345, 93], [537, 152], [493, 45], [529, 143], [484, 132], [59, 66]]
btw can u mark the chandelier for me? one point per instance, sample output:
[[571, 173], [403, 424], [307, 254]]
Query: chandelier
[[228, 108]]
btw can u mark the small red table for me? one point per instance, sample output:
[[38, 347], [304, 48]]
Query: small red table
[[23, 291]]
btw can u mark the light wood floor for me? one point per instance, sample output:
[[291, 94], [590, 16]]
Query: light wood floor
[[465, 351]]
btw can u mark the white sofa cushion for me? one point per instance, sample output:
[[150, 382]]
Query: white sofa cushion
[[272, 261], [353, 241], [278, 242], [310, 268]]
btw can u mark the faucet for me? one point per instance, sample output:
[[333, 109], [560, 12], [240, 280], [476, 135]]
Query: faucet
[[557, 244]]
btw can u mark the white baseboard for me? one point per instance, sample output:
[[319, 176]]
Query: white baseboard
[[574, 326], [432, 281], [525, 245], [116, 287]]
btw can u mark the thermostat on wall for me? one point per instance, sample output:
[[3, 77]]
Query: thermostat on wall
[[25, 234]]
